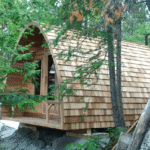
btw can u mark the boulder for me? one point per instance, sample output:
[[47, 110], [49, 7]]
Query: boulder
[[2, 127], [123, 141], [43, 139], [7, 133], [104, 141], [61, 142], [5, 130]]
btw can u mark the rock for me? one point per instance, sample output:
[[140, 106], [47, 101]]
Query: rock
[[2, 127], [27, 133], [48, 147], [5, 130], [31, 147], [124, 141], [46, 135], [38, 144], [62, 142], [22, 144], [9, 144], [42, 139], [12, 124], [7, 133], [21, 139], [104, 141]]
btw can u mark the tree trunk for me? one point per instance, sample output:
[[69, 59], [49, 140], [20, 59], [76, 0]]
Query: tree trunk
[[118, 87], [112, 77], [146, 39], [85, 21], [115, 89]]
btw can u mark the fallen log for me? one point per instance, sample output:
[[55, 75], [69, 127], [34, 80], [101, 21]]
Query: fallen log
[[141, 128], [127, 132]]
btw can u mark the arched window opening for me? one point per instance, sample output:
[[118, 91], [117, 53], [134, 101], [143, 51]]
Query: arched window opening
[[51, 73]]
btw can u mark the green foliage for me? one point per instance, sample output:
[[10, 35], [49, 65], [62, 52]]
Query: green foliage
[[30, 72], [139, 34], [1, 148], [84, 110], [111, 64], [136, 24], [93, 141], [63, 90], [21, 99], [91, 144], [114, 134], [24, 55], [16, 14]]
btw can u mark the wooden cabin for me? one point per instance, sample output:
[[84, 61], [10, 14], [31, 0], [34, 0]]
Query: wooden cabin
[[135, 85]]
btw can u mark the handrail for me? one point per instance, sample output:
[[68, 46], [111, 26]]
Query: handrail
[[53, 108]]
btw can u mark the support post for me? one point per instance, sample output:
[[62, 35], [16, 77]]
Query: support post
[[32, 127], [62, 114], [13, 111], [47, 110], [88, 131]]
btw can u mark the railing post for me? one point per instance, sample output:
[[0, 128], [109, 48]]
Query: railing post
[[59, 107], [61, 114], [13, 111], [58, 110], [47, 113]]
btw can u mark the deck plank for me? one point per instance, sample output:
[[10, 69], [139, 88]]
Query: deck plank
[[36, 121]]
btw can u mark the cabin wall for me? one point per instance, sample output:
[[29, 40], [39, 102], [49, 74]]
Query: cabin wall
[[99, 113], [135, 90], [135, 84]]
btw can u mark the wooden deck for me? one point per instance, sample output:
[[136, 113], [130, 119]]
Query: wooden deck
[[52, 115], [36, 121]]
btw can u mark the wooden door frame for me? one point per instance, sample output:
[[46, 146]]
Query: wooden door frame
[[44, 74]]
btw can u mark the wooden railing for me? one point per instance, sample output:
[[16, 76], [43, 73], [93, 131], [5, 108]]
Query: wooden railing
[[54, 108]]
